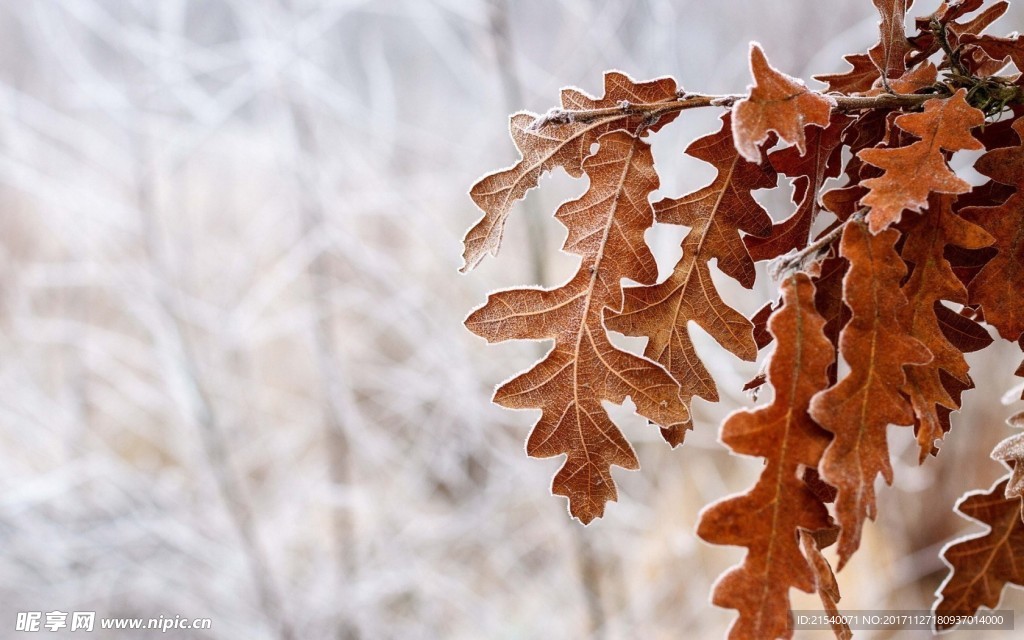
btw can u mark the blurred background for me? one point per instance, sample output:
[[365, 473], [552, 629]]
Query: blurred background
[[235, 382]]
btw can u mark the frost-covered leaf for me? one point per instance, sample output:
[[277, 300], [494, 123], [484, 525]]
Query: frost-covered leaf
[[606, 229], [982, 565], [810, 171], [778, 103], [1011, 452], [1001, 279], [565, 145], [859, 408], [768, 519], [716, 215], [915, 170], [932, 281]]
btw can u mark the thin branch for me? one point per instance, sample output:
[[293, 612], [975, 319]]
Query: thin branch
[[654, 110], [813, 251]]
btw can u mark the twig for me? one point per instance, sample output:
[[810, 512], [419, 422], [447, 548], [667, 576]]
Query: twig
[[813, 251], [654, 110]]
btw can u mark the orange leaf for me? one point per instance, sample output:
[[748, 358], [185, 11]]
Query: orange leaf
[[1002, 278], [563, 146], [776, 103], [980, 566], [860, 407], [931, 281], [606, 228], [769, 517], [914, 171], [716, 215]]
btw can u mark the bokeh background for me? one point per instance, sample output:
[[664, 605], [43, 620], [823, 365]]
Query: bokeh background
[[234, 381]]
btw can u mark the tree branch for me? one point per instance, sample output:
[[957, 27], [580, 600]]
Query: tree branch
[[655, 110]]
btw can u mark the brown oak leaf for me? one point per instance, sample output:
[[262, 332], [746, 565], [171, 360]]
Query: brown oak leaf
[[828, 298], [981, 565], [998, 48], [931, 281], [828, 588], [778, 103], [1011, 452], [859, 407], [856, 80], [716, 214], [810, 171], [912, 81], [767, 519], [565, 145], [914, 171], [1002, 278], [606, 228], [890, 53], [948, 15]]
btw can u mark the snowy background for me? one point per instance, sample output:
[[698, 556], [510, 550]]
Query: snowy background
[[234, 382]]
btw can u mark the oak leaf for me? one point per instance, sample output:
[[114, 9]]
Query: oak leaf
[[810, 171], [768, 519], [932, 281], [947, 16], [914, 171], [716, 214], [828, 588], [778, 103], [1002, 278], [981, 565], [565, 145], [892, 48], [1011, 452], [914, 80], [998, 48], [859, 408], [828, 298], [606, 228], [859, 78]]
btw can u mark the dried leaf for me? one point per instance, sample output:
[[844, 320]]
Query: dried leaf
[[947, 15], [998, 48], [778, 103], [828, 588], [716, 214], [862, 405], [892, 48], [810, 170], [606, 228], [768, 518], [563, 146], [1002, 278], [912, 81], [858, 79], [931, 281], [1011, 452], [981, 565], [828, 299], [914, 171]]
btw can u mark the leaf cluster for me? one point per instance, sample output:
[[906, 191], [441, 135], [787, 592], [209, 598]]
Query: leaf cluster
[[912, 268]]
